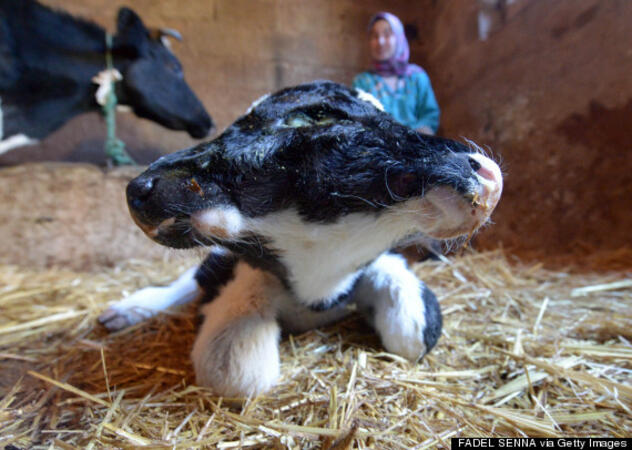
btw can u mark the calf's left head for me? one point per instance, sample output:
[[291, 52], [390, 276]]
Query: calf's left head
[[318, 162]]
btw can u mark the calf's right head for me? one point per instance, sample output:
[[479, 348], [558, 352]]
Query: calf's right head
[[315, 157]]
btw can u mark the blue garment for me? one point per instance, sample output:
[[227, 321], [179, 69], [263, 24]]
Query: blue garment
[[412, 103]]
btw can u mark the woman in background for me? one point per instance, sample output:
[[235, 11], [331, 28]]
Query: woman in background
[[405, 92], [404, 89]]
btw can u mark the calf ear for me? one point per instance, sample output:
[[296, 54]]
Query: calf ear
[[130, 29]]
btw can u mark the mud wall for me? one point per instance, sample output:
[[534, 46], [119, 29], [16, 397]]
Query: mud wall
[[69, 215], [550, 93]]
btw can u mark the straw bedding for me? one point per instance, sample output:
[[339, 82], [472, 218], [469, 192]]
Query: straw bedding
[[525, 352]]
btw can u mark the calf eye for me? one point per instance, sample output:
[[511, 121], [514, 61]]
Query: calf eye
[[174, 67], [298, 119], [404, 185]]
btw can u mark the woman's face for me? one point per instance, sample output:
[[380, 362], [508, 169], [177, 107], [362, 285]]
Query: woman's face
[[382, 41]]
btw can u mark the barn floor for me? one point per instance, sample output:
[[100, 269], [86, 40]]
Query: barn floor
[[525, 352]]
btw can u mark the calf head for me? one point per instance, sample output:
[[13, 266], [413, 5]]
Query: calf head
[[315, 163], [153, 83]]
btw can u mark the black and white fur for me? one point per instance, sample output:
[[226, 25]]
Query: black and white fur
[[302, 199]]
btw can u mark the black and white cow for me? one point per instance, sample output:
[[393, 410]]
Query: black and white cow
[[301, 200], [47, 62]]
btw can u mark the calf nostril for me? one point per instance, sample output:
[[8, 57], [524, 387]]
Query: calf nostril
[[140, 188], [485, 168], [145, 187], [475, 165]]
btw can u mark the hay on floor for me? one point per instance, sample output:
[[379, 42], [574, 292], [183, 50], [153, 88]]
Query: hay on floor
[[525, 352]]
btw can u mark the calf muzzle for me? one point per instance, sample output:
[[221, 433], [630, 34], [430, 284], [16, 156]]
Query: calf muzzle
[[161, 207]]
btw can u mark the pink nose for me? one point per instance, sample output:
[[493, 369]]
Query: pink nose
[[489, 170], [487, 173], [490, 178]]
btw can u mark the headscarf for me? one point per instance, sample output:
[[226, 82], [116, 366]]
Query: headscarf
[[398, 63]]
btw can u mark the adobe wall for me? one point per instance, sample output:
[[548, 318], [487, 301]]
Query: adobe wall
[[550, 93]]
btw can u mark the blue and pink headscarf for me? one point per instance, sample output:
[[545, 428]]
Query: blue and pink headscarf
[[398, 63]]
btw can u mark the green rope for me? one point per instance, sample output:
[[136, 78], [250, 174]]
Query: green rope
[[114, 148]]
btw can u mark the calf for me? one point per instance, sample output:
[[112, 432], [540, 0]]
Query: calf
[[301, 200], [47, 62]]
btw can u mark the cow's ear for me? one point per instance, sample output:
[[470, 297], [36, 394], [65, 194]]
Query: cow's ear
[[130, 28]]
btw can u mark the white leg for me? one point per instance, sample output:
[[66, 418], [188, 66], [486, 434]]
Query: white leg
[[397, 304], [296, 318], [148, 302], [236, 352]]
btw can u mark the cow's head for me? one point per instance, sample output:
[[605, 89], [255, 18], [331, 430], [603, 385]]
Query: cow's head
[[312, 156], [153, 83]]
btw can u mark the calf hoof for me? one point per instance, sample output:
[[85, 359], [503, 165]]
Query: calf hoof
[[240, 361], [400, 307], [133, 309], [115, 320]]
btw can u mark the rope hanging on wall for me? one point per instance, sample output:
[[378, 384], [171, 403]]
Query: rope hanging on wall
[[106, 97]]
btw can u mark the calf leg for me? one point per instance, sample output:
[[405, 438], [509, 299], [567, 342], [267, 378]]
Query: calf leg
[[296, 318], [236, 351], [145, 303], [400, 307]]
